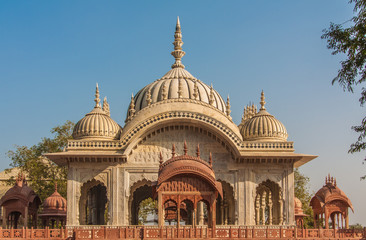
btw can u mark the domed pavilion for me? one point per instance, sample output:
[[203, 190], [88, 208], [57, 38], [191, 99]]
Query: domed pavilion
[[331, 203], [54, 210], [112, 167]]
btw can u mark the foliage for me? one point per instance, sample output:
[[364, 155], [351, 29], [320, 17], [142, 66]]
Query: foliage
[[42, 173], [351, 41], [356, 226], [148, 207], [303, 194]]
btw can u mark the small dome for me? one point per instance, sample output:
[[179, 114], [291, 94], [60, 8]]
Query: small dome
[[177, 83], [262, 126], [55, 202], [97, 124]]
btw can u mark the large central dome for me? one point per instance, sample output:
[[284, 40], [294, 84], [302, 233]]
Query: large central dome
[[177, 83]]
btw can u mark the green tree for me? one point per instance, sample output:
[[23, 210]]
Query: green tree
[[351, 41], [148, 208], [302, 192], [41, 172]]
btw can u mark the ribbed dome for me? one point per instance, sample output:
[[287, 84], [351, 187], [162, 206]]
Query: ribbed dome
[[54, 202], [168, 86], [263, 127], [175, 84], [97, 124]]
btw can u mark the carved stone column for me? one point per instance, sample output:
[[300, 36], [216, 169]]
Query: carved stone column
[[257, 207], [200, 214]]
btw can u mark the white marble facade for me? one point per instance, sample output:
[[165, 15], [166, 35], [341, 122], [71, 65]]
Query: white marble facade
[[177, 108]]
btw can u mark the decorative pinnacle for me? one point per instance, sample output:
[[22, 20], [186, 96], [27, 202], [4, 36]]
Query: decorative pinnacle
[[106, 107], [173, 150], [228, 111], [195, 90], [211, 96], [198, 150], [161, 158], [55, 186], [96, 99], [185, 147], [262, 101], [210, 160], [178, 53]]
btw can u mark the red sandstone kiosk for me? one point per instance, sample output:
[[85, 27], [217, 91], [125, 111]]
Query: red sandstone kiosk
[[183, 183], [299, 213], [331, 202], [54, 211], [20, 205]]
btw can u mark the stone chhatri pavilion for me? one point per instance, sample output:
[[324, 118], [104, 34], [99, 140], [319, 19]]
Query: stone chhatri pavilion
[[111, 169]]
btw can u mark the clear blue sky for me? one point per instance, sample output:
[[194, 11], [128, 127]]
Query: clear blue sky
[[53, 52]]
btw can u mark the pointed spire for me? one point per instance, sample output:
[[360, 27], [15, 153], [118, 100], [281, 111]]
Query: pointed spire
[[210, 160], [185, 147], [148, 97], [173, 150], [198, 150], [195, 91], [161, 159], [262, 102], [178, 53], [211, 97], [131, 109], [96, 99], [228, 111], [335, 182], [106, 107], [164, 92], [180, 87], [55, 186]]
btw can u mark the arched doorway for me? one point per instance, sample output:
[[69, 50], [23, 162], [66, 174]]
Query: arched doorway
[[268, 204], [93, 204], [14, 220], [225, 207], [143, 206]]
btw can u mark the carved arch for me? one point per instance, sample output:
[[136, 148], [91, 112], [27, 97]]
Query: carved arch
[[83, 198], [228, 138], [137, 185]]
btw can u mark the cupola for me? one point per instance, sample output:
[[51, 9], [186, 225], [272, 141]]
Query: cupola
[[261, 126], [97, 124]]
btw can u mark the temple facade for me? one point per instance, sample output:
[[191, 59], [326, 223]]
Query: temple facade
[[113, 167]]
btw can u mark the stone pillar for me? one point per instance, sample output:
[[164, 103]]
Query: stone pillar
[[72, 198], [4, 217], [263, 207], [160, 210], [222, 212], [270, 208], [113, 209], [257, 208], [347, 222], [200, 214]]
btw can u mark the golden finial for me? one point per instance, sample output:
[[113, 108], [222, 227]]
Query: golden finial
[[210, 160], [96, 99], [178, 53], [185, 147], [195, 90], [148, 97], [198, 150], [228, 111], [106, 107], [262, 101], [211, 97], [173, 150], [335, 182]]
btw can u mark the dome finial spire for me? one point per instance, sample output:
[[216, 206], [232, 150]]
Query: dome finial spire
[[178, 53], [96, 99], [262, 101]]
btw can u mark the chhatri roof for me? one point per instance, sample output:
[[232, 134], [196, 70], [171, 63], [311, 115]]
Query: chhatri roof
[[262, 126], [178, 83], [97, 124], [54, 205], [330, 193]]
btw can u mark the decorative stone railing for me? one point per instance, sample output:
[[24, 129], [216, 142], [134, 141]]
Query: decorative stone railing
[[105, 145], [260, 146], [153, 232]]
